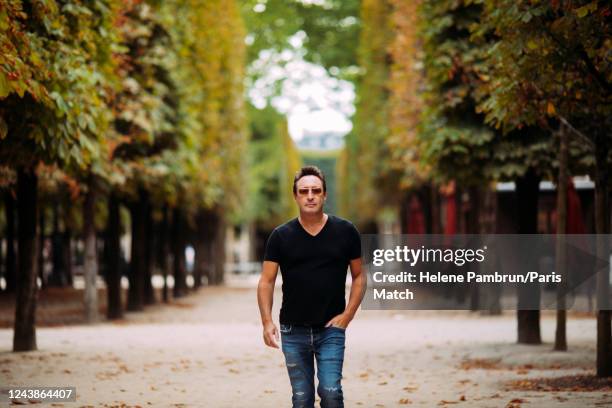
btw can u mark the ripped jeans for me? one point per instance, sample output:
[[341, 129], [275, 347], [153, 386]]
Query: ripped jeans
[[301, 346]]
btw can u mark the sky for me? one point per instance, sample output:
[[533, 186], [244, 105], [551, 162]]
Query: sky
[[311, 98]]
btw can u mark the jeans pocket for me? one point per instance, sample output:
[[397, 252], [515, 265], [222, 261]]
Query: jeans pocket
[[339, 328], [285, 328]]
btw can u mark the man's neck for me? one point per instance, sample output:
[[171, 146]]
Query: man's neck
[[312, 219]]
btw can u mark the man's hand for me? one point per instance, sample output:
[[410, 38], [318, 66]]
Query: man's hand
[[357, 290], [265, 294], [270, 335], [342, 321]]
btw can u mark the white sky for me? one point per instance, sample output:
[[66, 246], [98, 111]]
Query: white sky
[[311, 99]]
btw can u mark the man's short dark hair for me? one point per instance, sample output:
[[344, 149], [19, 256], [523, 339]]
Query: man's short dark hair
[[309, 171]]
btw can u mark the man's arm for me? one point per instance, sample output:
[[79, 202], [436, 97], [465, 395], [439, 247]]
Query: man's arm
[[355, 296], [265, 296]]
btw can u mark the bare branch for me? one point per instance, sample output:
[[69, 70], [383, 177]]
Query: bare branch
[[577, 132]]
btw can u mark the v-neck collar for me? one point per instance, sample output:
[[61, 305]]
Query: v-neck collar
[[318, 233]]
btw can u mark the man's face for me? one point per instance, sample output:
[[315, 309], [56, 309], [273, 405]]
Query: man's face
[[309, 194]]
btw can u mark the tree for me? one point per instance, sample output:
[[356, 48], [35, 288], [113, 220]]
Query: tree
[[10, 256], [145, 123], [549, 64], [454, 141], [273, 161], [560, 250], [210, 76], [112, 259], [365, 162], [53, 109], [406, 95], [120, 99], [328, 28]]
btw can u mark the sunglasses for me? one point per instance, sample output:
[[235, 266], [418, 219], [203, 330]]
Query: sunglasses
[[315, 191]]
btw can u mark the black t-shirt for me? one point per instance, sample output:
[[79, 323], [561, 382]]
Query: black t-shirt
[[313, 268]]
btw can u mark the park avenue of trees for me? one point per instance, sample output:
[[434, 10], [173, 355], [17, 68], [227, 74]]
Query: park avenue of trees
[[131, 118]]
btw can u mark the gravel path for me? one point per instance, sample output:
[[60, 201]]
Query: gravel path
[[206, 351]]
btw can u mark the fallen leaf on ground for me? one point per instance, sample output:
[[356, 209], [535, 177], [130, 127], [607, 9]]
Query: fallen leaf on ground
[[515, 403], [573, 383], [480, 363]]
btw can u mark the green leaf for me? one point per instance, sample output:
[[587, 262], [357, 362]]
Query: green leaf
[[20, 89], [5, 88], [4, 20], [82, 120], [583, 11], [526, 17]]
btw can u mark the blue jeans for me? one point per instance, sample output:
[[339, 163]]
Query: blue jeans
[[301, 345]]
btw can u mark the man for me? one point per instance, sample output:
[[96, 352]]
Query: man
[[314, 251]]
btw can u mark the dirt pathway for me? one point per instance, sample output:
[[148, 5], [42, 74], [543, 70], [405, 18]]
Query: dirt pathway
[[206, 351]]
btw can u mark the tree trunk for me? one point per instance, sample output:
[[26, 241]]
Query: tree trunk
[[527, 191], [149, 291], [602, 227], [461, 293], [136, 277], [90, 265], [473, 227], [67, 253], [163, 253], [2, 261], [219, 251], [25, 311], [460, 209], [252, 241], [201, 246], [490, 298], [209, 220], [112, 262], [436, 225], [178, 254], [561, 250], [58, 275], [10, 265], [41, 246]]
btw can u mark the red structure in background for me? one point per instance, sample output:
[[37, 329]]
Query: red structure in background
[[575, 217], [414, 213], [416, 217], [452, 219], [450, 205]]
